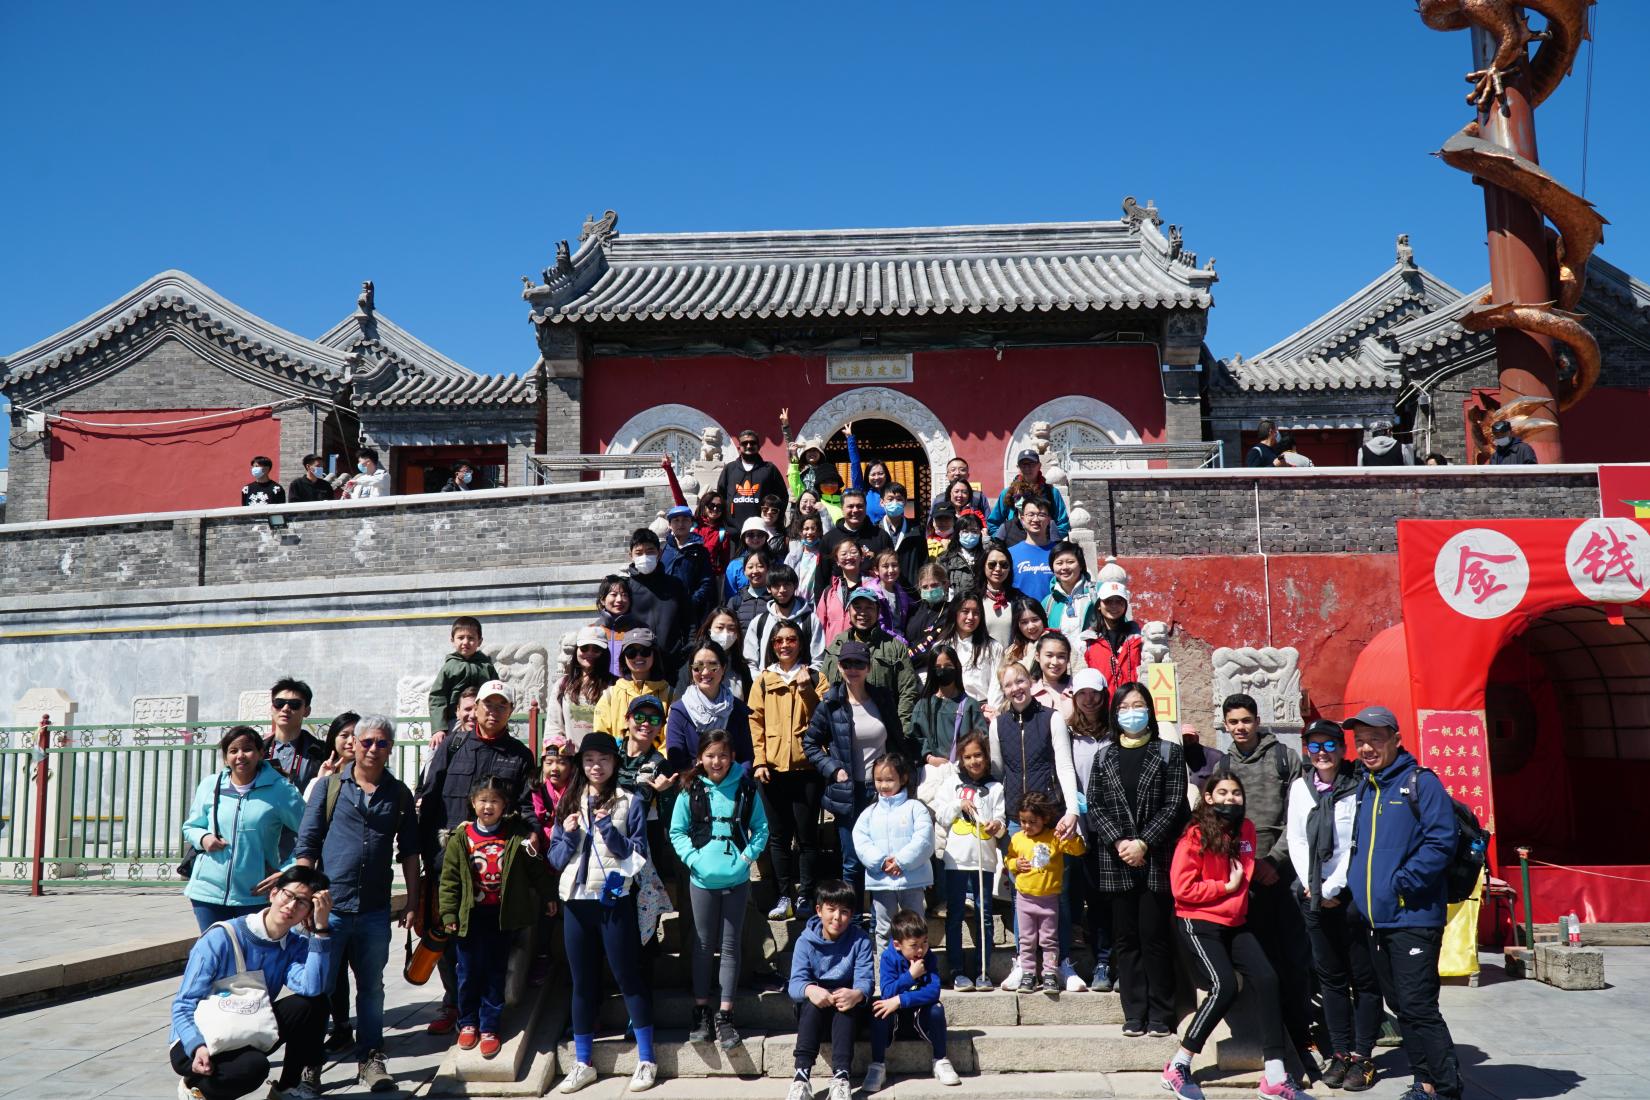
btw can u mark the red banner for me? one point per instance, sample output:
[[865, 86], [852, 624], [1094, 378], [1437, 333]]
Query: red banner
[[1456, 745], [1624, 491]]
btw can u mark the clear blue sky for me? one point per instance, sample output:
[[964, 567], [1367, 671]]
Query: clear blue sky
[[283, 152]]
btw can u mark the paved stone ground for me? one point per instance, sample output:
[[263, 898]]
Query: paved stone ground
[[79, 919], [1517, 1040]]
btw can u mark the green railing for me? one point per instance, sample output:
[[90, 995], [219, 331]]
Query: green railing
[[115, 796]]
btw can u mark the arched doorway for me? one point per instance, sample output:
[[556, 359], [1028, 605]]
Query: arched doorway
[[889, 443], [1567, 705]]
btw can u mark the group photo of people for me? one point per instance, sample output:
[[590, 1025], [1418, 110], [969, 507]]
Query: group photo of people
[[917, 730]]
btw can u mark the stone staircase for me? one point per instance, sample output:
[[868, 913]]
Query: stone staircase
[[1053, 1045]]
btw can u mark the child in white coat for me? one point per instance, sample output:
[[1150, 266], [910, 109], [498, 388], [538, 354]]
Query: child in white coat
[[894, 838], [970, 811]]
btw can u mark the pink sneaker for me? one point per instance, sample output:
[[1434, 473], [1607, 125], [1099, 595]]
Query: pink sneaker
[[1286, 1090], [1178, 1080]]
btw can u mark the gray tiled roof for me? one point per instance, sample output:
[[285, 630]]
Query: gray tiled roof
[[1358, 371], [1398, 293], [979, 269], [360, 329], [416, 389], [216, 317]]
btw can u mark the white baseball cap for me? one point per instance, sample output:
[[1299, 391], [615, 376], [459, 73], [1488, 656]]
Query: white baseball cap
[[1113, 588], [1090, 678], [499, 688]]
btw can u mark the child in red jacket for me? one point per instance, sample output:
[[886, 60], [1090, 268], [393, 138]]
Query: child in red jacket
[[1210, 878]]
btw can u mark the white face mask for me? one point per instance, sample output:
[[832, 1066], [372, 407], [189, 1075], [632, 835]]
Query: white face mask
[[645, 563], [724, 638]]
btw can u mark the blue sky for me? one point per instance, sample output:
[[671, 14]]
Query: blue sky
[[283, 152]]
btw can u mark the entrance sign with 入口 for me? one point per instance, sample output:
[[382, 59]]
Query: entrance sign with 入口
[[854, 370], [1160, 681], [1456, 745]]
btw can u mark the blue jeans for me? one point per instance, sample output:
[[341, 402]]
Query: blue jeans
[[853, 873], [362, 942], [483, 959], [207, 914], [960, 885]]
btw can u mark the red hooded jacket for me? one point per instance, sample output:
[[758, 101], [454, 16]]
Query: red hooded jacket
[[1198, 878]]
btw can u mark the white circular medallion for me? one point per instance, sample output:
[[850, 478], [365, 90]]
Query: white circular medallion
[[1607, 560], [1481, 573]]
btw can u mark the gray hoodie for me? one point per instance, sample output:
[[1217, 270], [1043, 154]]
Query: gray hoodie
[[1265, 774]]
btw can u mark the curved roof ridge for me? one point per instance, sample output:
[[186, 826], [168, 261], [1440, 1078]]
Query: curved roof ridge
[[1364, 309]]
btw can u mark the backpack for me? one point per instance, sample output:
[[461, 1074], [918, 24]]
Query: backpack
[[700, 818], [1466, 868], [335, 784]]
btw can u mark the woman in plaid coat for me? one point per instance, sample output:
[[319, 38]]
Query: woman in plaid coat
[[1137, 803]]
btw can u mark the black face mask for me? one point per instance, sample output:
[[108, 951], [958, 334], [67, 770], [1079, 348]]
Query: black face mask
[[945, 677], [1230, 814]]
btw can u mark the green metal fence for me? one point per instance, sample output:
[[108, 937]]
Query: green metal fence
[[116, 796]]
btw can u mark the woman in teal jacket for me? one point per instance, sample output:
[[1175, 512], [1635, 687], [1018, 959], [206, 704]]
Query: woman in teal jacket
[[718, 829], [241, 821]]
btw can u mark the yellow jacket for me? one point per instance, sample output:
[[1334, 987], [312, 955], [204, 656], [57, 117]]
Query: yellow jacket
[[612, 709], [780, 713], [1040, 882]]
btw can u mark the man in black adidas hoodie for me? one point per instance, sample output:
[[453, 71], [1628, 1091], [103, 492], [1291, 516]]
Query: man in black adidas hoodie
[[658, 601], [746, 480]]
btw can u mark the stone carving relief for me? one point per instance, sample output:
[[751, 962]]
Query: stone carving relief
[[1155, 647], [412, 695], [52, 702], [1272, 676], [882, 403], [157, 709], [525, 666], [253, 706], [564, 653]]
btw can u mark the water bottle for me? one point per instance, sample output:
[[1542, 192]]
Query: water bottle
[[1575, 930]]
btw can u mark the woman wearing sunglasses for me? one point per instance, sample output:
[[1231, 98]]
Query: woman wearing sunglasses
[[1322, 804]]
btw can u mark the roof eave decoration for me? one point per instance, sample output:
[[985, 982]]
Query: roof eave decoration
[[439, 393], [921, 271], [198, 305]]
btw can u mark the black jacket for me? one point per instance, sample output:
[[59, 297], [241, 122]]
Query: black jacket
[[459, 762], [312, 753], [1519, 454], [871, 536], [303, 491], [1158, 812], [742, 492], [659, 602], [829, 743]]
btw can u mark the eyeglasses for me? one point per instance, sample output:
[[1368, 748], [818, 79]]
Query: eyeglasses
[[784, 639], [704, 666], [637, 654], [1315, 747], [994, 565], [286, 703], [713, 506], [374, 744], [648, 719], [302, 901], [852, 664]]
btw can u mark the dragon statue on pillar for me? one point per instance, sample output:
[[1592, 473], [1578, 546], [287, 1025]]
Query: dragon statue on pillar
[[1578, 228]]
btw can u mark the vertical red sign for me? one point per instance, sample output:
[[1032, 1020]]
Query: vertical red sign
[[1456, 745]]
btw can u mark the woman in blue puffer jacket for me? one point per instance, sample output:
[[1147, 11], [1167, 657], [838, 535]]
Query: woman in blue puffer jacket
[[894, 839], [240, 822]]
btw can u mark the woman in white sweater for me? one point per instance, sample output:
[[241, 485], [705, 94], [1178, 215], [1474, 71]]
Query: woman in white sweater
[[1323, 802]]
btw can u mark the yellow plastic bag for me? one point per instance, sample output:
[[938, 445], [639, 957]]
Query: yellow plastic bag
[[1458, 958]]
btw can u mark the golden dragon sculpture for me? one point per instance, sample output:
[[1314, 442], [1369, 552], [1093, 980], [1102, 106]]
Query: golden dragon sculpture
[[1578, 228]]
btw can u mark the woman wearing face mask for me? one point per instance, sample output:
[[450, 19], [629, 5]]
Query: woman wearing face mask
[[995, 584], [922, 626], [1137, 800], [806, 534], [1322, 804], [1070, 598], [708, 703], [722, 627], [944, 712], [961, 559], [1213, 864]]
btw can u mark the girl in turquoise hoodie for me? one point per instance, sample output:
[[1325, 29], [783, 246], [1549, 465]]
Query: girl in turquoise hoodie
[[718, 830], [236, 826]]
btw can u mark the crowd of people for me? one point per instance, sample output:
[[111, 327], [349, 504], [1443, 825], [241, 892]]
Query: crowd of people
[[890, 714]]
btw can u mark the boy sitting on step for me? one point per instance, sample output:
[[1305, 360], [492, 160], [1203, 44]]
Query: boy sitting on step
[[911, 984], [830, 983]]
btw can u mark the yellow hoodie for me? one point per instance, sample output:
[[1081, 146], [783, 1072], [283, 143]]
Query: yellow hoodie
[[613, 708]]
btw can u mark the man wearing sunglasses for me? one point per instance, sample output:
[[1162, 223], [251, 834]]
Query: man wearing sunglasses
[[295, 752], [350, 825]]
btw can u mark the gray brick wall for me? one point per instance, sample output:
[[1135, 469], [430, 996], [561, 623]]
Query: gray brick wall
[[1317, 514], [420, 534]]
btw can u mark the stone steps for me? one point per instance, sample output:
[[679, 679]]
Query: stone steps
[[921, 1086], [774, 1012], [973, 1049]]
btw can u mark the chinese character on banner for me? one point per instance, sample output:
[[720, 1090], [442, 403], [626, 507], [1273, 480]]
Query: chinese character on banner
[[1607, 560], [1481, 573], [1468, 727], [1160, 681]]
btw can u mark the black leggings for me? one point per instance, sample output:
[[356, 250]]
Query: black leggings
[[812, 1022], [1219, 953], [792, 802], [1142, 952], [301, 1024]]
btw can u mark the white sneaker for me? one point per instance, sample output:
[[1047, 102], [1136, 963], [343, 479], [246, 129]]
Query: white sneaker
[[187, 1093], [1068, 975], [582, 1076], [840, 1089], [944, 1073], [781, 910], [646, 1073], [1012, 982], [876, 1076], [800, 1090]]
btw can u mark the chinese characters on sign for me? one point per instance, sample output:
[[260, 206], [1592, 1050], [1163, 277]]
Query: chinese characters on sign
[[852, 370], [1481, 573], [1607, 560], [1160, 681], [1455, 745]]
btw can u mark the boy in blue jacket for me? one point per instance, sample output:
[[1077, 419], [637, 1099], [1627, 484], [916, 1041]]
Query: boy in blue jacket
[[830, 981], [911, 999], [1403, 841]]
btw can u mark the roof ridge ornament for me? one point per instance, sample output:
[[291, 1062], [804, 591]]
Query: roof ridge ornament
[[1135, 214], [1406, 254], [364, 303], [599, 232]]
